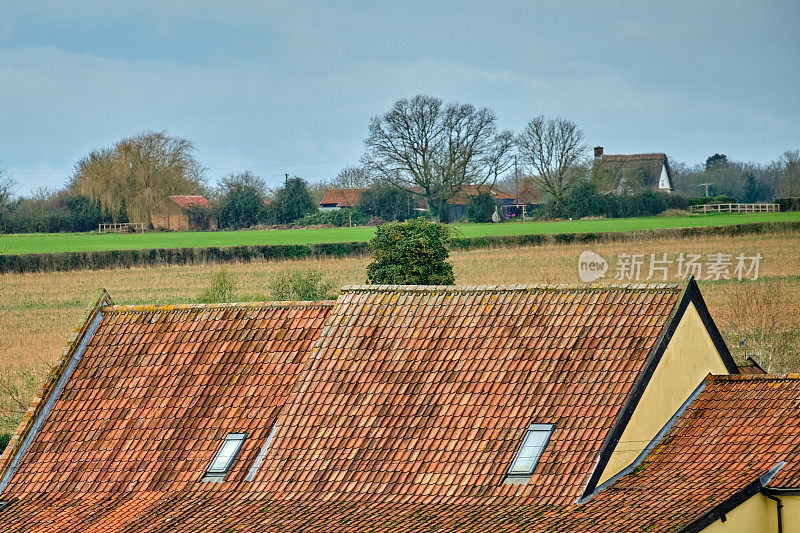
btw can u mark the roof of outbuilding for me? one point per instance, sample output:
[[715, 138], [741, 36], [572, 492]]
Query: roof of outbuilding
[[187, 201], [341, 197], [649, 164]]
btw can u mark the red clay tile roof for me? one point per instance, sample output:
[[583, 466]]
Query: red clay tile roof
[[190, 201], [341, 197], [409, 408]]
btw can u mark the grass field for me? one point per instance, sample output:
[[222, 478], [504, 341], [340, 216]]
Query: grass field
[[84, 242], [38, 310]]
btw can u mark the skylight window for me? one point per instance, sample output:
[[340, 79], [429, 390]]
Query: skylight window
[[533, 445], [225, 456]]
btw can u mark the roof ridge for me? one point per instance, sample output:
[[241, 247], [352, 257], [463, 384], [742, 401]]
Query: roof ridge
[[513, 288], [234, 305], [657, 154], [753, 377]]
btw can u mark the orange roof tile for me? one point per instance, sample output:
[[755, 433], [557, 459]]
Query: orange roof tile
[[341, 197], [190, 201]]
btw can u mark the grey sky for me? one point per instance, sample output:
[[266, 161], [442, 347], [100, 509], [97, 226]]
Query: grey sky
[[290, 86]]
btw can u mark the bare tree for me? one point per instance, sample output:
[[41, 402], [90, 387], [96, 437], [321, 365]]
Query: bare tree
[[356, 177], [555, 150], [433, 150], [138, 173], [7, 187], [789, 181]]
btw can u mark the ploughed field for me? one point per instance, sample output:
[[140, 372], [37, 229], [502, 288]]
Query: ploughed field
[[39, 310], [85, 242]]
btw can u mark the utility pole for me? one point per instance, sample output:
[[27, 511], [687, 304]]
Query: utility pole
[[516, 187], [706, 186], [286, 180]]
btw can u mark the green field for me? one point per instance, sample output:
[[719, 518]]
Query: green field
[[83, 242]]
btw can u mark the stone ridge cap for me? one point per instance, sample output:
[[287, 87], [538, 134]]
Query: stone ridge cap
[[646, 287], [199, 307], [752, 377]]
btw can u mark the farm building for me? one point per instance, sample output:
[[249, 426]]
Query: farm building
[[342, 198], [174, 213], [627, 173], [409, 408]]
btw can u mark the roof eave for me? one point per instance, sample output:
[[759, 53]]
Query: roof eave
[[29, 420]]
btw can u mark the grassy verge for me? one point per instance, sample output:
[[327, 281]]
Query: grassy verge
[[84, 242]]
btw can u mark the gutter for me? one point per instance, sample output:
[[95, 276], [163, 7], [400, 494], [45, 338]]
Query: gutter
[[719, 511]]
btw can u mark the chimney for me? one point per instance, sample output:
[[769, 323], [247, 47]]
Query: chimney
[[598, 152]]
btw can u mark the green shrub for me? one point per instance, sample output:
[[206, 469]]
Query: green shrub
[[302, 285], [4, 438], [339, 218], [584, 201], [410, 253], [480, 208], [788, 204], [222, 289], [721, 199]]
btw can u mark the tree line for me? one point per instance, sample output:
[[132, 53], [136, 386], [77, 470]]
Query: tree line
[[422, 151]]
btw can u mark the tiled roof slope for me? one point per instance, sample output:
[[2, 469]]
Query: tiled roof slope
[[157, 390], [737, 429], [420, 393], [342, 197], [187, 201]]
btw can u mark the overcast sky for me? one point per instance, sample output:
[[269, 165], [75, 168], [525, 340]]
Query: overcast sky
[[290, 86]]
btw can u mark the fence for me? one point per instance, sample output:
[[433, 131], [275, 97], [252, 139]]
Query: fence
[[736, 208], [123, 227]]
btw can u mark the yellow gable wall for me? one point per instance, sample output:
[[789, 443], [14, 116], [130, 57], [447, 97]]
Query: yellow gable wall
[[690, 356], [759, 514]]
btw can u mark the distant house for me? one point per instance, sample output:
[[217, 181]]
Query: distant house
[[341, 198], [633, 171], [173, 214], [458, 203]]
